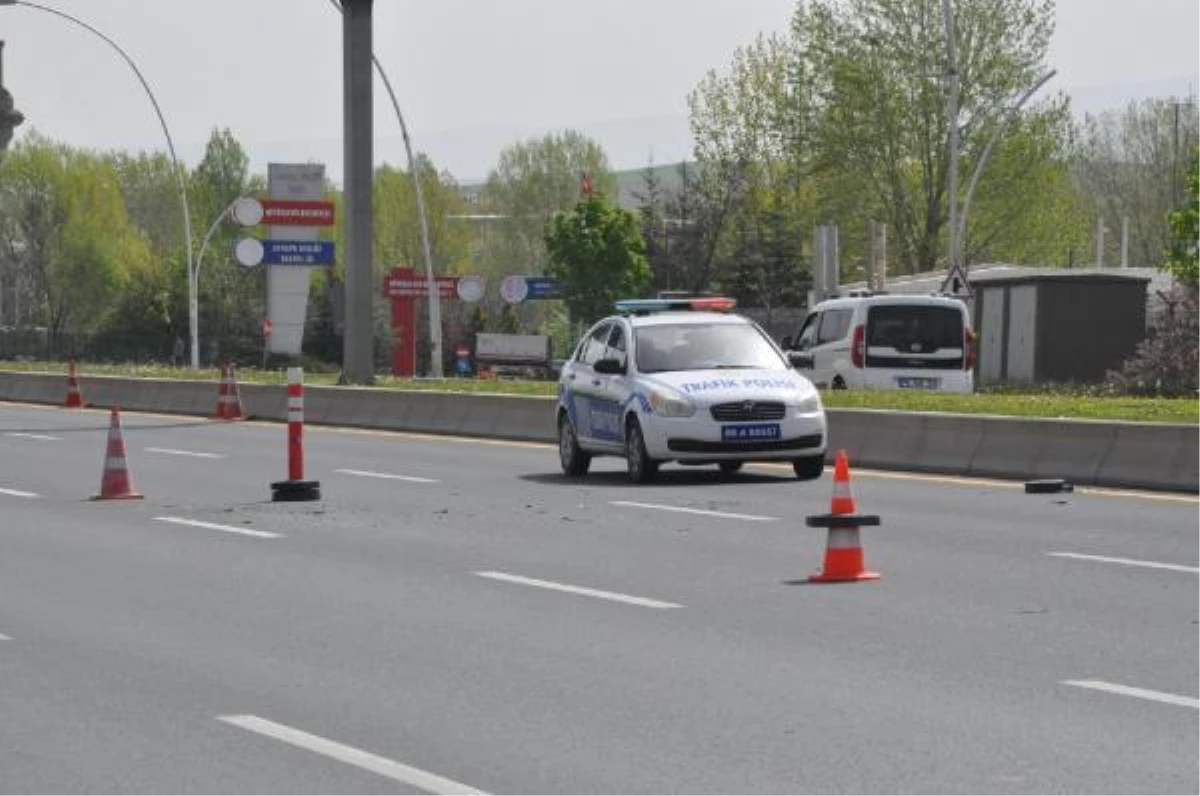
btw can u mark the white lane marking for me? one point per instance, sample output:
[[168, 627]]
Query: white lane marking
[[349, 755], [25, 435], [1140, 693], [18, 493], [212, 526], [722, 514], [603, 595], [194, 454], [5, 638], [389, 476], [1129, 562]]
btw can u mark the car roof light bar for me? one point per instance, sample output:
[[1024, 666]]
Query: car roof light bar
[[649, 306]]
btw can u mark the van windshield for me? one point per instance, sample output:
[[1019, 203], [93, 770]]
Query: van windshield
[[914, 336]]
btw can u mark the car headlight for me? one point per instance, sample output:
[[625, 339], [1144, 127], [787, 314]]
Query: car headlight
[[809, 405], [669, 403]]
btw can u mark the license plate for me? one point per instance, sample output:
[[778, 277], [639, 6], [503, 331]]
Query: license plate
[[918, 383], [750, 432]]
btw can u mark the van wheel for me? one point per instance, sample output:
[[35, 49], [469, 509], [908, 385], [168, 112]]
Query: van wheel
[[839, 383], [809, 468], [574, 460], [640, 468]]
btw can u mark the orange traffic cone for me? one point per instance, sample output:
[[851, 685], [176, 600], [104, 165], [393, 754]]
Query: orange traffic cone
[[116, 483], [843, 552], [74, 396], [843, 497], [229, 400]]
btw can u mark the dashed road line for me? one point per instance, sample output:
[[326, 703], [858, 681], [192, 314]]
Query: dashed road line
[[644, 602], [212, 526], [389, 476], [5, 638], [27, 435], [18, 493], [725, 515], [382, 766], [193, 454], [1139, 693], [1129, 562]]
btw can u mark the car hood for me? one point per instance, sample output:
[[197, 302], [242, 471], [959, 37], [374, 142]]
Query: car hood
[[716, 386]]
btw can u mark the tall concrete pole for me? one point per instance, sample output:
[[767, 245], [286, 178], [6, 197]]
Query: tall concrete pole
[[952, 114], [358, 351]]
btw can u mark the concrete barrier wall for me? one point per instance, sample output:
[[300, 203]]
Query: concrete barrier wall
[[1132, 455]]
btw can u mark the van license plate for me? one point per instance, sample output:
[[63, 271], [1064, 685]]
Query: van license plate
[[918, 383], [749, 432]]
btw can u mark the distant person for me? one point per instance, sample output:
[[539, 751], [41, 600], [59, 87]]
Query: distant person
[[177, 356]]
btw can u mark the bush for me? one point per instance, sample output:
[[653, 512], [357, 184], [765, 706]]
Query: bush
[[1166, 362]]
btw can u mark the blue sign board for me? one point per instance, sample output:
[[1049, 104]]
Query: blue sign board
[[298, 252], [542, 287]]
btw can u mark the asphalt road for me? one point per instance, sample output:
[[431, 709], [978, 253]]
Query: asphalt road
[[455, 615]]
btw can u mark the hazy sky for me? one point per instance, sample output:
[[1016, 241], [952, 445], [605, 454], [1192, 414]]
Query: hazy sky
[[471, 75]]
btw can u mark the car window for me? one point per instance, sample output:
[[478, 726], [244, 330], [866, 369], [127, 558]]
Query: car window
[[694, 346], [616, 345], [834, 325], [915, 328], [808, 333], [595, 344]]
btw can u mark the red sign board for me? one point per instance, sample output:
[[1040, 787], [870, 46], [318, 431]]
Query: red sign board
[[297, 213], [415, 287]]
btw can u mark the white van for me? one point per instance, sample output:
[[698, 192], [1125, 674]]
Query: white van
[[887, 342]]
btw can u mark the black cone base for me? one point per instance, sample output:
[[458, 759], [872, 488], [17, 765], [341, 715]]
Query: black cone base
[[290, 491]]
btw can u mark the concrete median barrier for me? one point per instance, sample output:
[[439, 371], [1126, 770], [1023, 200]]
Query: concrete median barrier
[[1131, 455]]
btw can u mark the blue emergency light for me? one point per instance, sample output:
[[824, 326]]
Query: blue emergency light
[[699, 304]]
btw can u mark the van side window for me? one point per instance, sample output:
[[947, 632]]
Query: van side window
[[834, 325], [808, 333]]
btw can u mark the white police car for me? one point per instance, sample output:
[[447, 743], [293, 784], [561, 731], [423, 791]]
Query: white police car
[[683, 380]]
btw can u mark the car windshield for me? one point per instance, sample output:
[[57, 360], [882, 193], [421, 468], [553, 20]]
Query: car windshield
[[691, 346]]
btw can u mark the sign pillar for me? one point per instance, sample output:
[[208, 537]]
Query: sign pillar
[[287, 284]]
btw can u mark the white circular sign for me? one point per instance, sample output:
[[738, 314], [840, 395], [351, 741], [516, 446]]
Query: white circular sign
[[471, 288], [249, 252], [248, 211], [514, 289]]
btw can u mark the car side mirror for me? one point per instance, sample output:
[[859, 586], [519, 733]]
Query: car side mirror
[[786, 343], [611, 367], [798, 359]]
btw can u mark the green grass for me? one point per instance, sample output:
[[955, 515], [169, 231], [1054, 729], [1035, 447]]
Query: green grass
[[1063, 403]]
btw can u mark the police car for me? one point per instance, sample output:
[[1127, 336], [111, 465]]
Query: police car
[[685, 380]]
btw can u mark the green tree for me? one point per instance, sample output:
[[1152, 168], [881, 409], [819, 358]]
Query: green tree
[[597, 252], [1130, 167], [878, 67], [533, 181], [1181, 258], [232, 298], [66, 232]]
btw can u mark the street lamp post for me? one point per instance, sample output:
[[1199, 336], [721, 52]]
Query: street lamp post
[[960, 233], [435, 304], [193, 304]]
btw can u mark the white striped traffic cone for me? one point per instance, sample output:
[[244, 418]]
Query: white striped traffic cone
[[116, 484]]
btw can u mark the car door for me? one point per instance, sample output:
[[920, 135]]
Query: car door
[[806, 338], [583, 387], [607, 411], [831, 351]]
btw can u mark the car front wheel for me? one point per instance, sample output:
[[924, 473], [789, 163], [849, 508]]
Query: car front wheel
[[809, 468], [639, 466], [575, 461]]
